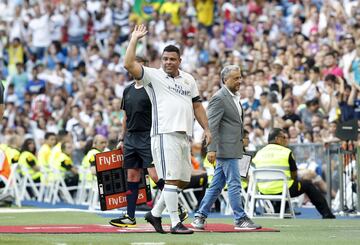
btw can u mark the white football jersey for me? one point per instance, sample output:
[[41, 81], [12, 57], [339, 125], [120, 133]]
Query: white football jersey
[[172, 100]]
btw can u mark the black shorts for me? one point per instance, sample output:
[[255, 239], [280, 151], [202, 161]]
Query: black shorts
[[137, 150]]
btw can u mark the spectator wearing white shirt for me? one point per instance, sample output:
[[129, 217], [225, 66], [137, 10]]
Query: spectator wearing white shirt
[[349, 55], [77, 24], [40, 32], [116, 66], [312, 87], [102, 25]]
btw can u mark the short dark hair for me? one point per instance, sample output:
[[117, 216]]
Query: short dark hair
[[172, 48], [315, 69], [274, 133], [48, 135], [330, 78], [314, 101], [331, 53]]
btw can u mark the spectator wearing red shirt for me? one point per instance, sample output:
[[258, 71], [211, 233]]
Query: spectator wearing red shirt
[[331, 65]]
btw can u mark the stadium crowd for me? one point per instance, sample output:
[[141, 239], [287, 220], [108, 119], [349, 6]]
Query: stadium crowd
[[62, 64]]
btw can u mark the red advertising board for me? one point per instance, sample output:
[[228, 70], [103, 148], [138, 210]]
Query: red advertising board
[[112, 183], [109, 160], [119, 199]]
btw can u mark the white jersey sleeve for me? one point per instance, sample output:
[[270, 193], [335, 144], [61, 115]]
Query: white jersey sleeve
[[148, 75]]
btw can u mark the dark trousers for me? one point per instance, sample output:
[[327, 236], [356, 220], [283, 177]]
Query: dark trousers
[[315, 196]]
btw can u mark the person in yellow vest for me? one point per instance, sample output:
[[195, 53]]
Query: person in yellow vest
[[45, 149], [56, 150], [3, 147], [28, 160], [6, 199], [12, 150], [99, 144], [276, 155], [65, 164], [5, 169]]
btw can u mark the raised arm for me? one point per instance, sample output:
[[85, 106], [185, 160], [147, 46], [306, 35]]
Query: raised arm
[[130, 63]]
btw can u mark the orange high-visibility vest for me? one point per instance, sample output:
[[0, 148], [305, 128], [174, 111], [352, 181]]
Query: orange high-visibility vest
[[5, 168]]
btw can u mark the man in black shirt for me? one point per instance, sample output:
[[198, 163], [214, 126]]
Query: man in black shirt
[[137, 147], [290, 118]]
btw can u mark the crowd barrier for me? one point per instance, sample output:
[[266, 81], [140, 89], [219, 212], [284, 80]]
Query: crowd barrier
[[343, 164]]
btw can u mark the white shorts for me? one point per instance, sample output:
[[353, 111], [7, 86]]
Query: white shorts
[[171, 155]]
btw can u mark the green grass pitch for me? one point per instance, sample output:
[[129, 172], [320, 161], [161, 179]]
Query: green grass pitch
[[292, 231]]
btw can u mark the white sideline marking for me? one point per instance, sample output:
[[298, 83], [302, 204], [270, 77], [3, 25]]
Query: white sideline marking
[[51, 227]]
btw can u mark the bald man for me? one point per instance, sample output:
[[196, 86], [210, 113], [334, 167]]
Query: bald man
[[99, 145]]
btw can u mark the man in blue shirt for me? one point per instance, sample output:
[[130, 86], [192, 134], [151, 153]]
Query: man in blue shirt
[[36, 86]]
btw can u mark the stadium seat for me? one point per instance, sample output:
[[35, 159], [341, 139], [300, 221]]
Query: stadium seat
[[28, 186], [191, 198], [254, 195], [11, 187], [59, 189]]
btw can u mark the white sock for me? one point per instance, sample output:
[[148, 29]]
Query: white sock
[[171, 201], [159, 206]]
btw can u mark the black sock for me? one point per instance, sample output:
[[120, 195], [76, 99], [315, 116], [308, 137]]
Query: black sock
[[160, 184], [131, 198]]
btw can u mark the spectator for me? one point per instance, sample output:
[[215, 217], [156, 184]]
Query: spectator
[[250, 104], [20, 80], [77, 24], [348, 56], [120, 14], [290, 118], [36, 86], [355, 66], [76, 125], [174, 9], [306, 114], [39, 27], [331, 66]]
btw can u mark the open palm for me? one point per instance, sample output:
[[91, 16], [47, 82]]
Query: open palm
[[139, 31]]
